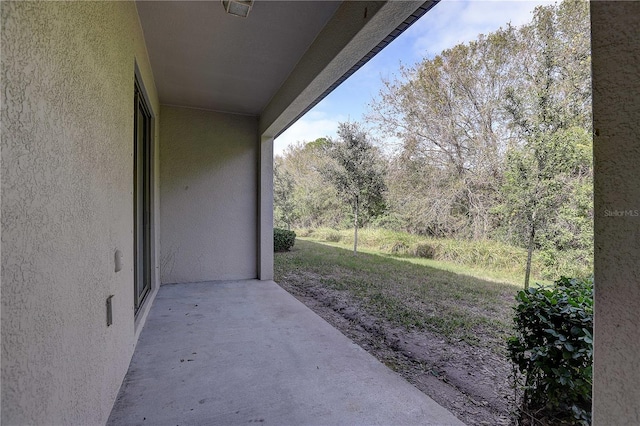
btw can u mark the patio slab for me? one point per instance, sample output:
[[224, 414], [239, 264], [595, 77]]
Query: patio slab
[[228, 353]]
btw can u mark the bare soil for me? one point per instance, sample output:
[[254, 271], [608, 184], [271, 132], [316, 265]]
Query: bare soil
[[470, 381]]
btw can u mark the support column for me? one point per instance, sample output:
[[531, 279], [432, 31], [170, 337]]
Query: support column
[[265, 255], [615, 39]]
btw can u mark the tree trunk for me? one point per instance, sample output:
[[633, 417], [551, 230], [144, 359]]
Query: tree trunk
[[529, 255], [355, 230]]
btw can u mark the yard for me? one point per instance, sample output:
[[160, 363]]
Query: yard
[[441, 330]]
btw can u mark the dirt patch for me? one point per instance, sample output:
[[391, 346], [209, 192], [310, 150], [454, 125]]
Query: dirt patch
[[470, 381]]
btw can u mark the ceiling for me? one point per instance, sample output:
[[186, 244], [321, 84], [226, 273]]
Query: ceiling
[[204, 58]]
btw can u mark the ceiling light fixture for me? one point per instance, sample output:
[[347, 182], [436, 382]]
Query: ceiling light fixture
[[238, 7]]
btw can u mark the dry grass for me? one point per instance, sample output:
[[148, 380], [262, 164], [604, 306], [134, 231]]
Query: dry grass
[[485, 258], [459, 307]]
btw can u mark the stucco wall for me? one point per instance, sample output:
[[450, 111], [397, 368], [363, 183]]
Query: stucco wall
[[67, 173], [265, 256], [209, 191], [616, 112]]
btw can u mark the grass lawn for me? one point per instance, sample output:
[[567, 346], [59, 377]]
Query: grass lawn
[[460, 304]]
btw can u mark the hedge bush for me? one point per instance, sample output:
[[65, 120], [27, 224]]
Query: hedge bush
[[283, 240], [424, 250], [553, 350]]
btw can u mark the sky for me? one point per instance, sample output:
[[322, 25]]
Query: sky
[[449, 23]]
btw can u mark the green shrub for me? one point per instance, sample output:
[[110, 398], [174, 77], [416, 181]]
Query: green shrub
[[566, 262], [283, 240], [423, 250], [553, 349]]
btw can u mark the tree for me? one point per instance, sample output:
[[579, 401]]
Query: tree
[[285, 208], [491, 139], [316, 203], [550, 112], [357, 174], [448, 114]]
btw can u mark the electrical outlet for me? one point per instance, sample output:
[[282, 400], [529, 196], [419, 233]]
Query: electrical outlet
[[109, 311]]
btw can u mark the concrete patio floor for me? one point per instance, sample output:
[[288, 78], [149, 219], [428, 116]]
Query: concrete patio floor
[[227, 353]]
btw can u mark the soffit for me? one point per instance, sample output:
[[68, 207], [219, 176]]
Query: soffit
[[204, 58]]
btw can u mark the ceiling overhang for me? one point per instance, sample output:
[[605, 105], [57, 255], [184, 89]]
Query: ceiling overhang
[[357, 32], [274, 64]]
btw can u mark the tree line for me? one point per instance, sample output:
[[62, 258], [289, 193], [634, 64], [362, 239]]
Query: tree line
[[487, 140]]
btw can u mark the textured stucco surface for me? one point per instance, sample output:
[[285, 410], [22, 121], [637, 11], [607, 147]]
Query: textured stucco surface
[[67, 129], [209, 190], [616, 111]]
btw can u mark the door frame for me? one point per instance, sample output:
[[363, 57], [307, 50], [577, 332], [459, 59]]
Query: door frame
[[143, 199]]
